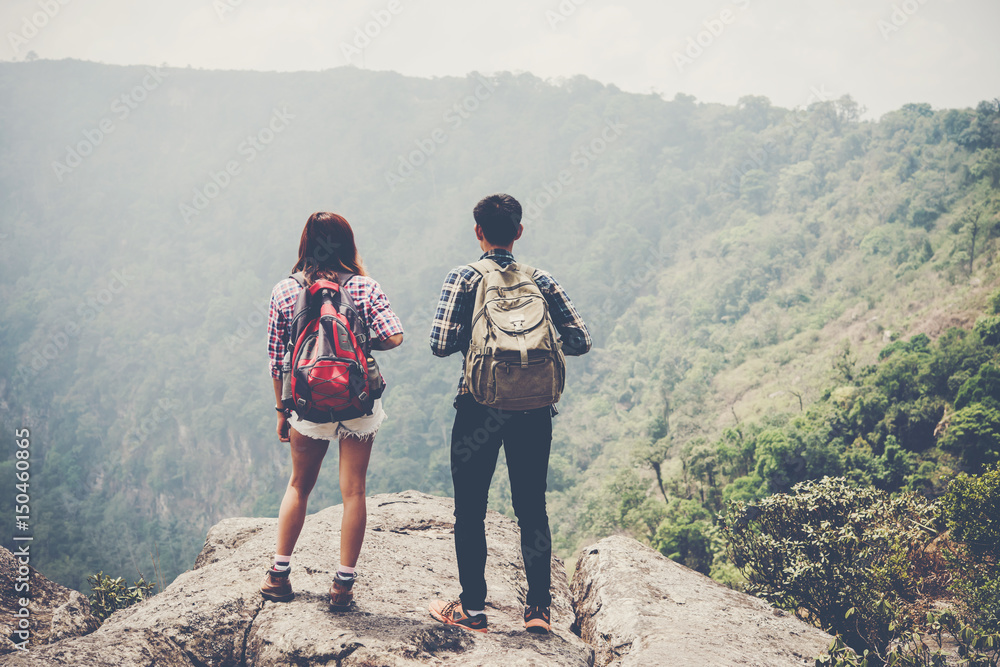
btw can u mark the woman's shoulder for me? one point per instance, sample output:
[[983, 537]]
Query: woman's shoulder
[[286, 287], [365, 283]]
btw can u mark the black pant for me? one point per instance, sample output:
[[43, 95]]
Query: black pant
[[476, 439]]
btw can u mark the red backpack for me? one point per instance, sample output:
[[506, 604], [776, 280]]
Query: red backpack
[[328, 373]]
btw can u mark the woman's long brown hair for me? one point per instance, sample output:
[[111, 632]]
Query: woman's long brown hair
[[327, 247]]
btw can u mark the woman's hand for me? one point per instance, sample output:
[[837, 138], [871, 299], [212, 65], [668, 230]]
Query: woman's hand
[[283, 427]]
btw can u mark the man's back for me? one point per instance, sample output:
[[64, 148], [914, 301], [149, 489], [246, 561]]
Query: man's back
[[453, 318]]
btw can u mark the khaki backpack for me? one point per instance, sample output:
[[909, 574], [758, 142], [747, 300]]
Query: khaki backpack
[[515, 360]]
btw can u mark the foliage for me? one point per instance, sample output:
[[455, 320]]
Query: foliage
[[972, 510], [108, 595], [912, 648], [841, 553], [721, 256], [974, 432]]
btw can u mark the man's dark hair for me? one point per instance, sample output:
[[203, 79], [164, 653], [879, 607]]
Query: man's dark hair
[[498, 216]]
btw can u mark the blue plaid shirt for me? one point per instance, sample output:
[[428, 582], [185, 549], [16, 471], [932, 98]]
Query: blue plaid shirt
[[453, 317]]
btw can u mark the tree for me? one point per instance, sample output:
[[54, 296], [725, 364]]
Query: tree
[[655, 450], [978, 221], [974, 433], [840, 553], [754, 112], [755, 188]]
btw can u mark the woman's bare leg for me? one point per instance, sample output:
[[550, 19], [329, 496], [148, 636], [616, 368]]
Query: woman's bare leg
[[307, 456], [354, 455]]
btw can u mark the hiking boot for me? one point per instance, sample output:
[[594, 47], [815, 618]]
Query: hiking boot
[[341, 592], [453, 613], [276, 586], [536, 619]]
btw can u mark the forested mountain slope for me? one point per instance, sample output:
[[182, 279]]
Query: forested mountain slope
[[729, 261]]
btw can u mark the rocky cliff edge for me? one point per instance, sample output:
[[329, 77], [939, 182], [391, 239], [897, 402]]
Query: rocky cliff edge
[[633, 606]]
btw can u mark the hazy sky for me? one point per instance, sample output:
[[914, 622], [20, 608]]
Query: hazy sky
[[884, 53]]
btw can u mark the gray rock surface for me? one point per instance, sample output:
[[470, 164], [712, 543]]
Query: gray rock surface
[[639, 608], [633, 606], [54, 612], [213, 615]]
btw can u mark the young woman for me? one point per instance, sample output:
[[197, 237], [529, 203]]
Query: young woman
[[326, 248]]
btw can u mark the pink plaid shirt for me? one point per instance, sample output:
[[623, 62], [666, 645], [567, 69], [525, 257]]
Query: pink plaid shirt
[[371, 301]]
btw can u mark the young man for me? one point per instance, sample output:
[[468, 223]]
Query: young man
[[525, 435]]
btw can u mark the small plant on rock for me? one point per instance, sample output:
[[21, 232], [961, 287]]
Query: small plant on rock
[[108, 595]]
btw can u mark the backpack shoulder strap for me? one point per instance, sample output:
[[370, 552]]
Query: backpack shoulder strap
[[363, 333], [529, 270], [342, 278], [299, 277], [484, 266]]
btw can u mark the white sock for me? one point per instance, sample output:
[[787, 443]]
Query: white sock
[[474, 612], [282, 563], [345, 572]]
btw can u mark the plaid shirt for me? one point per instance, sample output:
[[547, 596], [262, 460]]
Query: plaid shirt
[[371, 301], [453, 318]]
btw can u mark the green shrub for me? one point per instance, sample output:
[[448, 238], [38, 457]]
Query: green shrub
[[972, 509], [927, 649], [974, 434], [108, 595], [847, 556], [989, 330], [983, 387]]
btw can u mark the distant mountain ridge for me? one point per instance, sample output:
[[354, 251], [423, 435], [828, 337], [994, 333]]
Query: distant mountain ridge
[[721, 255]]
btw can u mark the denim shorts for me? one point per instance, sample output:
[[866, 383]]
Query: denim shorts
[[363, 428]]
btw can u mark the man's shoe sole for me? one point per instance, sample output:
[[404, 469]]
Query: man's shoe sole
[[538, 629], [441, 618]]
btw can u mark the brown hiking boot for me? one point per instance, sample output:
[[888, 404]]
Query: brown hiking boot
[[341, 592], [276, 586]]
